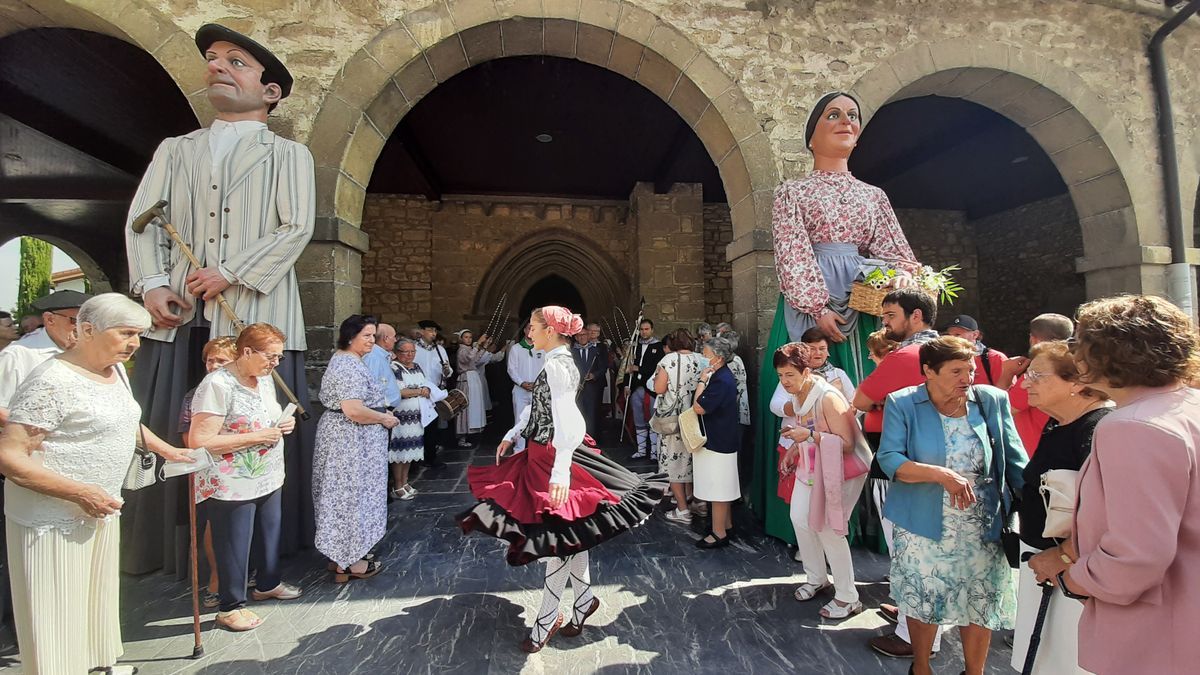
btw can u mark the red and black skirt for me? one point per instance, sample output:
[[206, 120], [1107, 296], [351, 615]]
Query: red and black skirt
[[605, 500]]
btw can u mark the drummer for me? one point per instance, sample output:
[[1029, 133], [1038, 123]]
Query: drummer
[[415, 412]]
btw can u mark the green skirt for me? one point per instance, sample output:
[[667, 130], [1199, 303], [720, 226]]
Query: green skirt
[[851, 356]]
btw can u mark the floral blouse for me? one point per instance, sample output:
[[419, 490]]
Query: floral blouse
[[829, 207], [251, 472]]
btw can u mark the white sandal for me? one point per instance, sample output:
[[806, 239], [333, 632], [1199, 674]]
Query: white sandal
[[833, 610], [807, 591]]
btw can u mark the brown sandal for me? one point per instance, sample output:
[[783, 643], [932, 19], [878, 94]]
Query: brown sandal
[[373, 568], [238, 620]]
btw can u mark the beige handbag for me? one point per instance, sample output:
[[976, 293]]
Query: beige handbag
[[1059, 492], [690, 430]]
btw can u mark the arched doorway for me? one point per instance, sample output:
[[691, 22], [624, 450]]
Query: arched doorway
[[78, 134], [385, 80], [552, 290], [1068, 121], [974, 189]]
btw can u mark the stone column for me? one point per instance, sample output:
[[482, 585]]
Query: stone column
[[330, 275], [669, 259]]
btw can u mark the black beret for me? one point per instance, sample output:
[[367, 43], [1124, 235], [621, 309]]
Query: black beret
[[273, 68], [428, 323], [60, 300]]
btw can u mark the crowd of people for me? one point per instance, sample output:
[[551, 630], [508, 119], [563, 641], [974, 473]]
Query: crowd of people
[[1076, 463]]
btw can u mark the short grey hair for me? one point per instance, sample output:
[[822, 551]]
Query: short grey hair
[[404, 341], [113, 310], [722, 347], [724, 326], [704, 328], [733, 337]]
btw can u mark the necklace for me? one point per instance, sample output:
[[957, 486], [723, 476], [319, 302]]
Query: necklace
[[958, 404]]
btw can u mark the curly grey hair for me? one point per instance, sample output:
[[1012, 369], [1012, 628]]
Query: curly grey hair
[[723, 347]]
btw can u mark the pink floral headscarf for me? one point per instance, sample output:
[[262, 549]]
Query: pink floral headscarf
[[562, 320]]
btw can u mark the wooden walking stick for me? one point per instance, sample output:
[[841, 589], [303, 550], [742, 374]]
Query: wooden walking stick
[[156, 214], [198, 647]]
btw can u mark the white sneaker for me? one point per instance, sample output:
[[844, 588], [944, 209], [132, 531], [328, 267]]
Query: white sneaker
[[638, 455], [677, 516]]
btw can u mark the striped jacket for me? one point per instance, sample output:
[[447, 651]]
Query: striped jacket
[[253, 217]]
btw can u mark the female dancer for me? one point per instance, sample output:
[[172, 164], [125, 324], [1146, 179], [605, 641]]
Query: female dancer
[[554, 501]]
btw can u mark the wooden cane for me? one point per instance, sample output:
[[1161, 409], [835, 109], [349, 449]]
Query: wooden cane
[[198, 648], [156, 213]]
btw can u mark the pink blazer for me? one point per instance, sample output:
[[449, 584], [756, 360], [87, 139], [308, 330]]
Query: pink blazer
[[1137, 528]]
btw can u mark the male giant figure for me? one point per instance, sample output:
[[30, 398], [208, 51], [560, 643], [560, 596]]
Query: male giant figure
[[243, 200]]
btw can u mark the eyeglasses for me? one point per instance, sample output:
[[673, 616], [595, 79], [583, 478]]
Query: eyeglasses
[[68, 318], [1072, 342], [271, 358], [1036, 375]]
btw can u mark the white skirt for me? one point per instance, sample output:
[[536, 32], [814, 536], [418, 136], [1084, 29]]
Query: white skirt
[[715, 476], [65, 592], [1058, 654], [474, 418]]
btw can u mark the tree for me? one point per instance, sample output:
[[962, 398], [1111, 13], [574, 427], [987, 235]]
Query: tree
[[34, 280]]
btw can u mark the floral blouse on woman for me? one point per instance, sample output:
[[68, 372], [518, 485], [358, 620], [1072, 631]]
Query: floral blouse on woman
[[251, 472], [829, 207]]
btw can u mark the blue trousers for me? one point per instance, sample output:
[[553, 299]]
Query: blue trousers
[[234, 525]]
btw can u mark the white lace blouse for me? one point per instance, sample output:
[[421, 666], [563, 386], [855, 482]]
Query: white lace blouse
[[569, 427], [91, 428]]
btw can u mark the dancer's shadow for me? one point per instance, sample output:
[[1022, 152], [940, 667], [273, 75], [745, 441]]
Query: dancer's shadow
[[468, 633]]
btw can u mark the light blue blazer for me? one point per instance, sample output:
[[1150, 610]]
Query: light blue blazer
[[912, 431]]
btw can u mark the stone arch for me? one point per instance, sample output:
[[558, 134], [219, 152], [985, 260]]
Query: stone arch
[[135, 22], [1056, 107], [597, 276], [389, 75]]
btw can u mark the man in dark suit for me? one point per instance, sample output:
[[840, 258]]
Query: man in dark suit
[[646, 354], [591, 357]]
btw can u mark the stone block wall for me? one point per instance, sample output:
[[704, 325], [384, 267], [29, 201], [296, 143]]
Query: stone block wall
[[397, 282], [718, 273], [670, 253], [940, 239], [1027, 264], [428, 259], [1016, 264]]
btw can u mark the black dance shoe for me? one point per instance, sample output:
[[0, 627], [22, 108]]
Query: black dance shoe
[[719, 542]]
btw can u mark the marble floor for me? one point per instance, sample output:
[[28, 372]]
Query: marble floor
[[445, 603]]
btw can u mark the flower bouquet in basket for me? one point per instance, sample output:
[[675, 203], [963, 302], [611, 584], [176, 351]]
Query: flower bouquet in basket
[[877, 278]]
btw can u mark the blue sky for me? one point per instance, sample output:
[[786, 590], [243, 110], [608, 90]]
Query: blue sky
[[10, 265]]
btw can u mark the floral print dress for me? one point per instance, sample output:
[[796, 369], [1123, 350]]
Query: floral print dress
[[251, 472], [350, 470], [961, 579]]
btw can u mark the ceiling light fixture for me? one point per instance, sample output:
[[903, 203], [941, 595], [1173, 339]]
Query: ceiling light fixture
[[544, 138]]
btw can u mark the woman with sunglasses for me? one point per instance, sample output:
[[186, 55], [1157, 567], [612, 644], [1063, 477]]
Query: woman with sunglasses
[[237, 417]]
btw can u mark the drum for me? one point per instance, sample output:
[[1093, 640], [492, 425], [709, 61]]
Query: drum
[[454, 403]]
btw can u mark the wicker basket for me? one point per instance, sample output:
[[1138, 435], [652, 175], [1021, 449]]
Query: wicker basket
[[869, 300]]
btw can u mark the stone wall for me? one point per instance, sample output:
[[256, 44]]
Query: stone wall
[[718, 274], [1015, 265], [1026, 262], [429, 259], [940, 239], [670, 253]]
